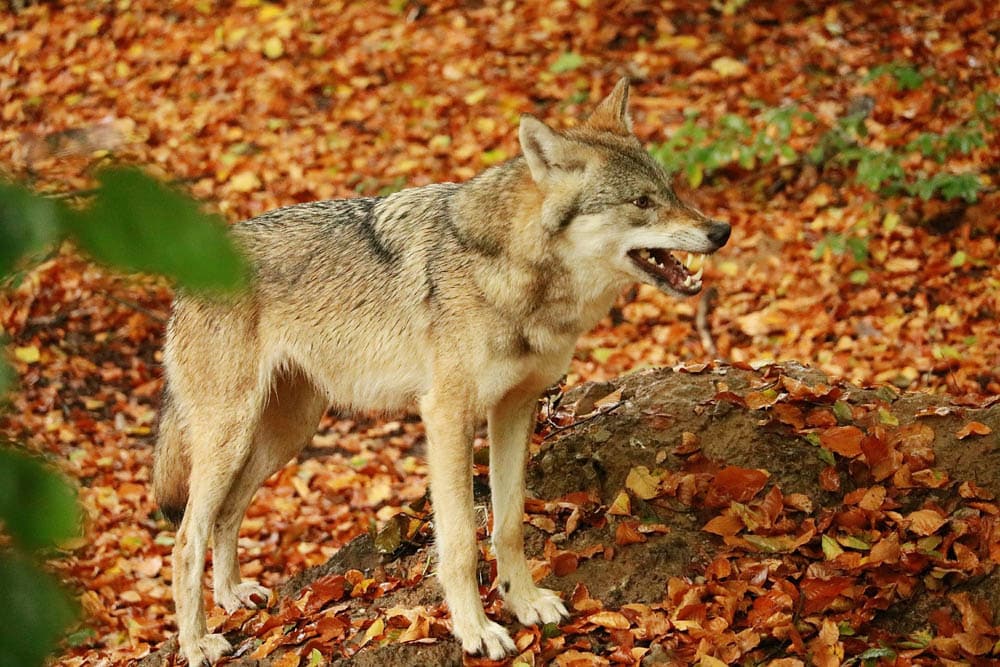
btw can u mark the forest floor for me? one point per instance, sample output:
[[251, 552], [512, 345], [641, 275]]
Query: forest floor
[[251, 105]]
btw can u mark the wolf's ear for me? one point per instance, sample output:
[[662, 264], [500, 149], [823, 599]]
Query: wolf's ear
[[611, 115], [544, 148]]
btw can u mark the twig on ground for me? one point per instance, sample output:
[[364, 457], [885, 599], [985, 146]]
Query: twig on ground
[[701, 320]]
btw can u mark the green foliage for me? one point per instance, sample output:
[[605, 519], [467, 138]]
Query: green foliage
[[37, 507], [566, 62], [698, 150], [134, 223], [34, 612], [906, 76], [701, 151], [27, 223], [138, 224]]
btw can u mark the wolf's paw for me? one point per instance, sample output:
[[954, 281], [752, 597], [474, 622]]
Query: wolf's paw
[[536, 606], [248, 594], [207, 650], [483, 637]]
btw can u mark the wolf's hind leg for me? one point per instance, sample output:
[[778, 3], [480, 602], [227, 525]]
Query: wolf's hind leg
[[510, 425], [220, 439], [288, 421]]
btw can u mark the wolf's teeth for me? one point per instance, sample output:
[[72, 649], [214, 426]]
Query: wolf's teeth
[[697, 274], [695, 261]]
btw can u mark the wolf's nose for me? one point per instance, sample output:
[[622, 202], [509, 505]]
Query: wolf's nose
[[719, 233]]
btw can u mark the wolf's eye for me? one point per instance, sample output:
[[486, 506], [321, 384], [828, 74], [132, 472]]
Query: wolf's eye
[[643, 202]]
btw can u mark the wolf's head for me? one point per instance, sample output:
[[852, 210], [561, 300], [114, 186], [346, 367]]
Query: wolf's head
[[607, 202]]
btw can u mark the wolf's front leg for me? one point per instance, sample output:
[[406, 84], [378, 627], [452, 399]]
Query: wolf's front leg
[[450, 425], [510, 423]]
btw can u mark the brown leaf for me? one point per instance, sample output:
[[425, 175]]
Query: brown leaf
[[564, 562], [925, 522], [610, 619]]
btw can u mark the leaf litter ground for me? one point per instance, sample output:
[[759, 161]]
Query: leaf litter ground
[[252, 106]]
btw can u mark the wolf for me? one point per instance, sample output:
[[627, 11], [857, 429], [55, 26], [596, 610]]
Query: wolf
[[464, 299]]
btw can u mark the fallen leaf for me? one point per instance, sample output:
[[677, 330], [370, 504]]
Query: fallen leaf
[[925, 522], [973, 428]]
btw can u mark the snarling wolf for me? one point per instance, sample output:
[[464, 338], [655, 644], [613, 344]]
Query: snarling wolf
[[464, 299]]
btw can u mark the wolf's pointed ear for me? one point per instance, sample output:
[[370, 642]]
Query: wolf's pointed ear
[[611, 115], [544, 149]]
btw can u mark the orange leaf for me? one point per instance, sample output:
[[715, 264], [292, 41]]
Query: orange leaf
[[973, 428], [723, 525], [843, 440], [628, 533], [789, 414], [610, 619], [735, 483], [829, 480]]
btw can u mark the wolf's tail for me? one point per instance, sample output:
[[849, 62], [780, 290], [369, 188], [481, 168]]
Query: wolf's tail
[[171, 462]]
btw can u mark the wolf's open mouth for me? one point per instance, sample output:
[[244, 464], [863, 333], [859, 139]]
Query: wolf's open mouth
[[663, 266]]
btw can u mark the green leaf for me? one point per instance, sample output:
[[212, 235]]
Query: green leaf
[[550, 630], [953, 186], [37, 506], [826, 456], [81, 637], [858, 277], [908, 77], [28, 222], [886, 417], [842, 411], [877, 654], [886, 393], [958, 259], [830, 547], [138, 224], [34, 613], [858, 247], [853, 542], [920, 639], [695, 174], [566, 62], [7, 377]]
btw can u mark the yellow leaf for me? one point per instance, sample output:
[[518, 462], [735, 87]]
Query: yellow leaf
[[476, 96], [890, 221], [709, 661], [28, 355], [729, 67], [268, 12], [374, 630], [245, 181], [273, 48], [902, 265], [642, 483], [622, 505]]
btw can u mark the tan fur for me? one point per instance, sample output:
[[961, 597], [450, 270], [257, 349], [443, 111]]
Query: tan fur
[[464, 299]]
